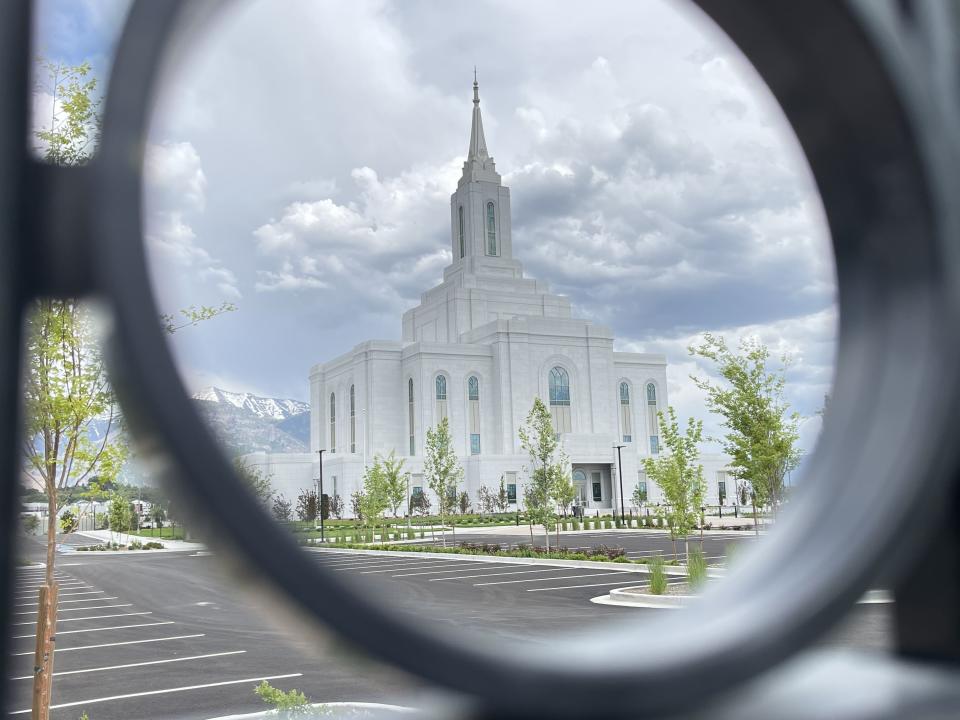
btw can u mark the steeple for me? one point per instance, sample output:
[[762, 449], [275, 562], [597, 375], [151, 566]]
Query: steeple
[[478, 144], [479, 164]]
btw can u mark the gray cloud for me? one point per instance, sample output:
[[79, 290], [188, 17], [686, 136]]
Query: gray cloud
[[653, 179]]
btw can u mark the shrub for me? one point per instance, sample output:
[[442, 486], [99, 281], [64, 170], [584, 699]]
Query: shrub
[[411, 535], [135, 545], [696, 569], [153, 546], [286, 704], [618, 524], [658, 579], [606, 523], [576, 524]]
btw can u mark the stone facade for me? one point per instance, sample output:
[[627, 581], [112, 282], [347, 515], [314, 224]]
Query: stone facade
[[478, 348]]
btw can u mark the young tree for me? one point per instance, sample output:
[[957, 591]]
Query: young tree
[[282, 508], [486, 500], [118, 515], [420, 504], [549, 465], [761, 431], [463, 502], [336, 506], [307, 505], [679, 475], [442, 469], [158, 516], [258, 482], [503, 497], [356, 504], [394, 481], [639, 496], [68, 522], [376, 497]]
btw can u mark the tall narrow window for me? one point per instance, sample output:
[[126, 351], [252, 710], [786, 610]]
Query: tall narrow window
[[353, 419], [441, 398], [641, 494], [626, 421], [462, 242], [473, 412], [491, 230], [413, 447], [333, 423], [560, 400], [652, 419]]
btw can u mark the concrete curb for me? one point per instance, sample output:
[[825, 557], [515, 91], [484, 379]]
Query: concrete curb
[[379, 708], [673, 570], [623, 597]]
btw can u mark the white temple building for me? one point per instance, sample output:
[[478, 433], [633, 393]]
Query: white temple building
[[477, 349]]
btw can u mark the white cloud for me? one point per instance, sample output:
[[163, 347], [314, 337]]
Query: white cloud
[[653, 179], [175, 187]]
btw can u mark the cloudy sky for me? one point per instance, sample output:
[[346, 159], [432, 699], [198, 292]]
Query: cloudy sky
[[303, 153]]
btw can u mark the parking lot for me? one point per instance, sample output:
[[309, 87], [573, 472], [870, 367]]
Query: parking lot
[[637, 543], [173, 635], [141, 636]]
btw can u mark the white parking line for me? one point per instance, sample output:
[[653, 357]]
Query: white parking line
[[92, 617], [443, 572], [34, 593], [398, 565], [61, 583], [164, 691], [115, 644], [508, 572], [115, 627], [82, 609], [459, 565], [70, 601], [139, 664], [571, 587], [564, 577]]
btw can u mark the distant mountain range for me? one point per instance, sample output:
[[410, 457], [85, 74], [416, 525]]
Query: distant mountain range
[[248, 423]]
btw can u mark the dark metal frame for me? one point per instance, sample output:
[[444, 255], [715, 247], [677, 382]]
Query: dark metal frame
[[871, 90]]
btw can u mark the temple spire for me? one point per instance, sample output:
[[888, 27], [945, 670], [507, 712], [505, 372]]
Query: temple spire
[[478, 144], [479, 164]]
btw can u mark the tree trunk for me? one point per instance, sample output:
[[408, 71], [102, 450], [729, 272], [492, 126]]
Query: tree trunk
[[756, 520], [546, 535], [51, 533]]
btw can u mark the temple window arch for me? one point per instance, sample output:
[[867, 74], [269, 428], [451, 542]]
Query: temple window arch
[[626, 416], [652, 421], [473, 413], [491, 229], [413, 445], [462, 239], [333, 422], [440, 385], [353, 419], [560, 399]]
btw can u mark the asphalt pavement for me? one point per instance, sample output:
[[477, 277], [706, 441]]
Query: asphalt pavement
[[174, 635]]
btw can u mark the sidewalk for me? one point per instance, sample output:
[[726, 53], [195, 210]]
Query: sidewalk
[[100, 537]]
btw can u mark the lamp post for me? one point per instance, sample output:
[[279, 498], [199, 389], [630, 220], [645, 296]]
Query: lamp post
[[623, 518], [320, 499]]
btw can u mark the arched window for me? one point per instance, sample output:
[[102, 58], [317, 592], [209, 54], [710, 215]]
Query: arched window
[[626, 421], [413, 447], [560, 400], [652, 419], [462, 242], [333, 423], [473, 413], [441, 397], [353, 419], [491, 229]]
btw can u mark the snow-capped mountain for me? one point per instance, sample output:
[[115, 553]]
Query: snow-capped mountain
[[248, 423], [273, 408]]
